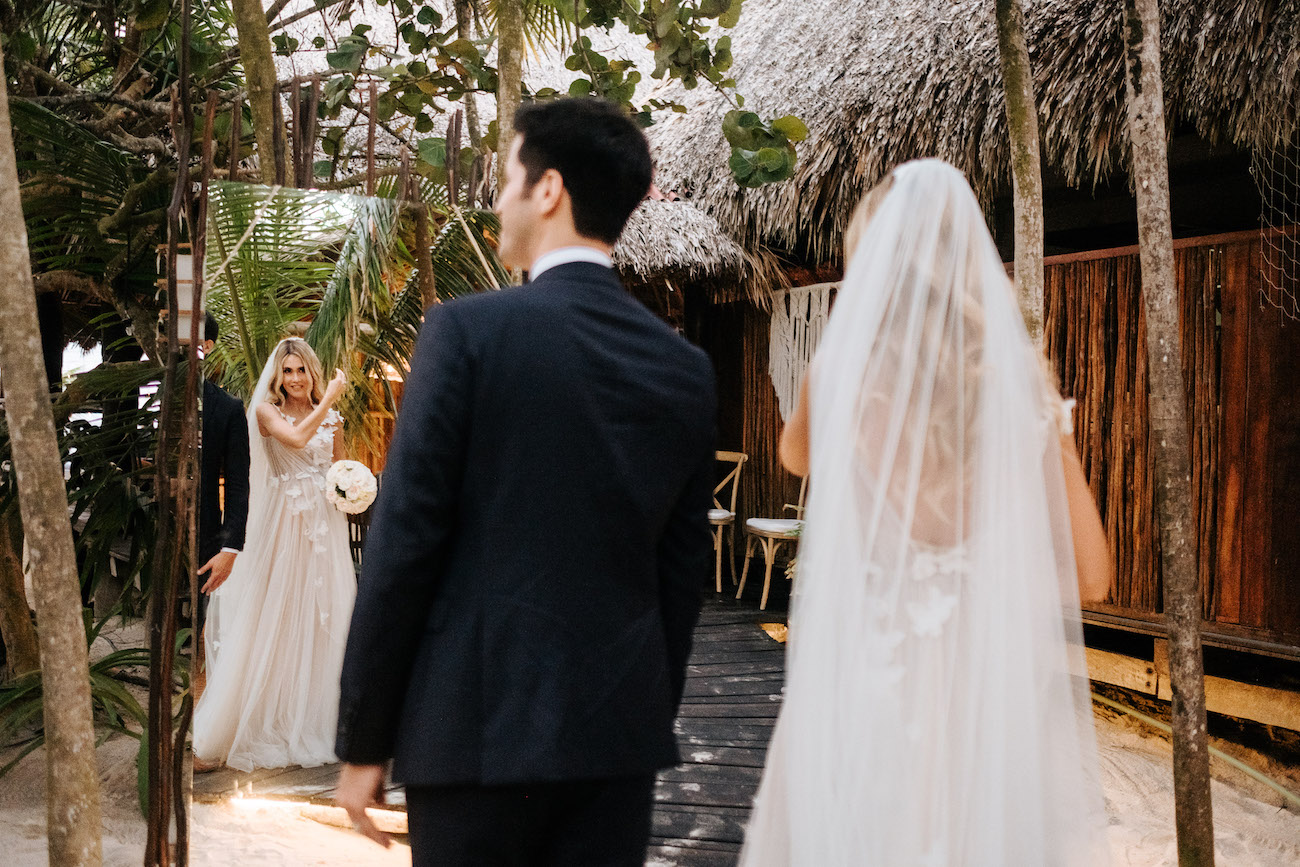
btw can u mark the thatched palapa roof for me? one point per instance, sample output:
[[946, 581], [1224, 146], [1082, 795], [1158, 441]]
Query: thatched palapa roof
[[882, 81], [676, 238]]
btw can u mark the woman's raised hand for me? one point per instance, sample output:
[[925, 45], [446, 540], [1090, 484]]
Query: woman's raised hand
[[336, 386]]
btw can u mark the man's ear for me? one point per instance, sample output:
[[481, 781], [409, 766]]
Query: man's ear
[[549, 192]]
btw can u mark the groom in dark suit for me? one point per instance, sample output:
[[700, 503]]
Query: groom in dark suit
[[533, 570], [223, 454]]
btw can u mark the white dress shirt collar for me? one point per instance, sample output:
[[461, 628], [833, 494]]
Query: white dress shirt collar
[[566, 255]]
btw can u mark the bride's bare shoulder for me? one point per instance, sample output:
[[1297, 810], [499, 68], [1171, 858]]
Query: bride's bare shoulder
[[266, 414]]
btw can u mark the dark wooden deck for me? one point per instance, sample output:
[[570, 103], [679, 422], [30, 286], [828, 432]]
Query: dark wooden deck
[[733, 693]]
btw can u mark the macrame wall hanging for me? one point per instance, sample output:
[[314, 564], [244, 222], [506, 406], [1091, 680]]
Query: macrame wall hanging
[[798, 318]]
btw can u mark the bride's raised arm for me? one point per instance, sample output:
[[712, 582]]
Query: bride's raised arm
[[793, 448], [297, 434]]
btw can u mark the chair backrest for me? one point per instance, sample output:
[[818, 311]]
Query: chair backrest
[[732, 478], [803, 498]]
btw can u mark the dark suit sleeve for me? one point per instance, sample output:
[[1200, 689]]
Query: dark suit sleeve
[[234, 520], [407, 541], [685, 551]]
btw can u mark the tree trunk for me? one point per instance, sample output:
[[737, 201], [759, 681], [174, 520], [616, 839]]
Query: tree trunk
[[510, 58], [1026, 165], [463, 15], [16, 629], [72, 779], [1169, 438], [259, 71]]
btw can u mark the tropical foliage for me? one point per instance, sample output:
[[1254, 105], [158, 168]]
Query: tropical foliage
[[340, 269]]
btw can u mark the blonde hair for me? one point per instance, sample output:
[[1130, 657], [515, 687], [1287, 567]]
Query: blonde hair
[[275, 393], [862, 215]]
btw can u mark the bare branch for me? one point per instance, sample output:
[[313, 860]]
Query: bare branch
[[159, 180], [144, 106]]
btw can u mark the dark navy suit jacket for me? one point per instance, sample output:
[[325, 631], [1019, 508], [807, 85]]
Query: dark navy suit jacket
[[224, 454], [532, 573]]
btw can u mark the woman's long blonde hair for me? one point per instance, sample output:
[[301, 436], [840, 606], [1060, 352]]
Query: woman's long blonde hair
[[276, 395]]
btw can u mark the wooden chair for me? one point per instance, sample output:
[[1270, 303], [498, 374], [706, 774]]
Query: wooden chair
[[771, 533], [724, 517], [357, 527]]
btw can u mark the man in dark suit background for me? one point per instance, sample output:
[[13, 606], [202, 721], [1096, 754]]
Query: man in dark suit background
[[533, 570], [223, 453]]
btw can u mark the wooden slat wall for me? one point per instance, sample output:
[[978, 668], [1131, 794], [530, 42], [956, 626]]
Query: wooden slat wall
[[1093, 329], [768, 486], [1244, 425], [736, 338]]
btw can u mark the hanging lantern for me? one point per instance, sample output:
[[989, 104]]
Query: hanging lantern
[[187, 300]]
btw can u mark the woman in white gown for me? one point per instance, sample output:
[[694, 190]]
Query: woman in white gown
[[277, 627], [936, 710]]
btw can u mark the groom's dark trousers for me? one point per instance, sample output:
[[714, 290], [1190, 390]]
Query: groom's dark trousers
[[532, 574]]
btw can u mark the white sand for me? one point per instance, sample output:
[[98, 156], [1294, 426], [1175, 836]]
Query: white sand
[[1252, 829], [248, 834]]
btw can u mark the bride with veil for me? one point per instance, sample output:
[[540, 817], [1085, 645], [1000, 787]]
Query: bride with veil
[[278, 625], [937, 708]]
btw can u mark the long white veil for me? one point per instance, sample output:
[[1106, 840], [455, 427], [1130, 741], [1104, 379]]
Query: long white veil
[[936, 708], [222, 604]]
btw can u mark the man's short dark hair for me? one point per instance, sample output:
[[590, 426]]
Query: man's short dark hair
[[210, 327], [600, 153]]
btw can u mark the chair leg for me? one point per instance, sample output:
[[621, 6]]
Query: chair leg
[[731, 542], [769, 552], [744, 572], [717, 550]]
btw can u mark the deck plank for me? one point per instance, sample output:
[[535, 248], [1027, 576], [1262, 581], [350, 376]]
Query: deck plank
[[735, 678]]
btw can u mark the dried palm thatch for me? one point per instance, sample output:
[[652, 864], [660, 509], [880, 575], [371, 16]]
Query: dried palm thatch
[[676, 237], [882, 81]]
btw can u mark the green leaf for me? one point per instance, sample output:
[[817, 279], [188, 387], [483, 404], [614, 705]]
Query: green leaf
[[791, 127], [349, 54], [152, 14], [739, 127], [463, 49], [771, 159], [580, 87], [731, 17], [428, 15], [321, 168], [434, 151], [386, 106], [741, 164], [666, 20]]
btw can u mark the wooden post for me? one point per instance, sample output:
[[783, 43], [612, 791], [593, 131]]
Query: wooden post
[[1169, 437], [370, 140], [72, 780], [175, 468], [236, 136], [279, 145], [419, 212], [453, 157]]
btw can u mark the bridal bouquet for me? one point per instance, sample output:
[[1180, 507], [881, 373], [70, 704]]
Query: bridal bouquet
[[350, 486]]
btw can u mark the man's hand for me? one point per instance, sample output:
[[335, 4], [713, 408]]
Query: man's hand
[[362, 786], [219, 567]]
